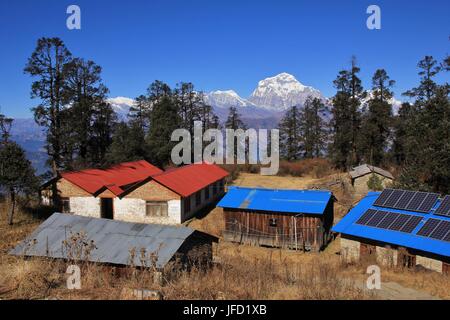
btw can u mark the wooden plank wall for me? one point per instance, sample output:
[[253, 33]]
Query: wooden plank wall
[[252, 227]]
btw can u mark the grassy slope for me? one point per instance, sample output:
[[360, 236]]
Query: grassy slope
[[244, 272]]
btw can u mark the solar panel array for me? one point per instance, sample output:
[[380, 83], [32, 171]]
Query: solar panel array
[[444, 207], [436, 229], [407, 200], [389, 220]]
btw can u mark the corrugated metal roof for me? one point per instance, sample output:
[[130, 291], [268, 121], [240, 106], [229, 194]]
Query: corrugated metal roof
[[348, 226], [277, 200], [364, 169], [189, 179], [113, 239], [114, 178]]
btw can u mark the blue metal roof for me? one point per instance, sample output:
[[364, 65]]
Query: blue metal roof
[[289, 201], [347, 226]]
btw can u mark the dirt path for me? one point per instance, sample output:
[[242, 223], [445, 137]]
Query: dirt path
[[395, 291]]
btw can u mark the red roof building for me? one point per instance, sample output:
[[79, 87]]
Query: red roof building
[[139, 192]]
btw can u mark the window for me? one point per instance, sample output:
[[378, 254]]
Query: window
[[65, 205], [198, 198], [272, 222], [156, 209], [207, 193]]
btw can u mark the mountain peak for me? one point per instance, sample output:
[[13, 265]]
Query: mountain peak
[[281, 92]]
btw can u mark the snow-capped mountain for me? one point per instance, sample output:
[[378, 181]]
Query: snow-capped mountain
[[281, 92], [396, 104], [121, 105], [226, 99]]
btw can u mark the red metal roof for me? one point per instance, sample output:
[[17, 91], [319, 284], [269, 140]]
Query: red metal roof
[[114, 178], [189, 179]]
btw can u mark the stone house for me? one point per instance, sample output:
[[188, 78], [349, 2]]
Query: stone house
[[138, 192], [396, 237], [360, 176]]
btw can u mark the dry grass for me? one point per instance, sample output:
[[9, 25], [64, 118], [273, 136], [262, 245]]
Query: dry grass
[[243, 272]]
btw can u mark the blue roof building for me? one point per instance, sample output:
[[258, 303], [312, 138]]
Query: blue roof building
[[404, 237], [298, 219]]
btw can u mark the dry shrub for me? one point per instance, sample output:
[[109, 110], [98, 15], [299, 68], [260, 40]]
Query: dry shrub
[[316, 168], [241, 277]]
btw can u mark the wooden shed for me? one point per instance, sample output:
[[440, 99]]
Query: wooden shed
[[296, 219]]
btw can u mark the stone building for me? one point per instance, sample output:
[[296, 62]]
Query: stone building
[[138, 192], [405, 232], [360, 176]]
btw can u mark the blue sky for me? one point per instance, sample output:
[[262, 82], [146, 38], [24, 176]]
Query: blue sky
[[222, 44]]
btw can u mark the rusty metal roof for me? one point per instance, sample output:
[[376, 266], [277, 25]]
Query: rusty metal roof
[[114, 240]]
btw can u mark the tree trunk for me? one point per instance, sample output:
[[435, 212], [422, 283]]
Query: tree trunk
[[12, 206]]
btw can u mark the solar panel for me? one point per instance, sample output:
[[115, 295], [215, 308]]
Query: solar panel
[[412, 223], [441, 230], [405, 199], [377, 217], [393, 198], [429, 202], [428, 227], [416, 201], [383, 197], [408, 200], [399, 222], [366, 217], [447, 237], [444, 207], [388, 219]]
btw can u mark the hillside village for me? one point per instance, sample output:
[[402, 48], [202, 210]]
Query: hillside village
[[359, 184]]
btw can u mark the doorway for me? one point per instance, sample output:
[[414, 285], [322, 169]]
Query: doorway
[[106, 208]]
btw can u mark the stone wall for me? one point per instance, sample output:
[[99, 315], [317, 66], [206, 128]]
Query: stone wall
[[134, 210], [386, 256], [85, 206], [429, 263], [360, 184], [153, 191], [349, 250]]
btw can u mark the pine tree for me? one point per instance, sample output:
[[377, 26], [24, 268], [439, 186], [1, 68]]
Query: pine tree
[[128, 144], [234, 120], [87, 97], [104, 120], [16, 172], [48, 63], [346, 122], [426, 139], [140, 112], [164, 120], [377, 121], [291, 134], [312, 127], [403, 123], [5, 127]]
